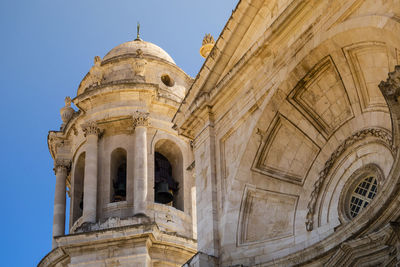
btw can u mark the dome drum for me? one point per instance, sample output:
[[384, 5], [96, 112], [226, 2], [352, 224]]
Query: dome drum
[[137, 62]]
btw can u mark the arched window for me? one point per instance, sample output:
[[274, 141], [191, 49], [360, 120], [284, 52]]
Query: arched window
[[168, 174], [164, 184], [118, 175], [362, 195], [78, 184], [359, 191]]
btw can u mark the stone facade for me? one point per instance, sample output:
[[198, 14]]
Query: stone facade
[[287, 118], [285, 145]]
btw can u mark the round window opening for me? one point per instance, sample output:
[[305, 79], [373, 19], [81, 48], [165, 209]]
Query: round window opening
[[362, 195], [359, 191], [167, 80]]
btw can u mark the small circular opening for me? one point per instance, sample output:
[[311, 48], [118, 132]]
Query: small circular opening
[[167, 80]]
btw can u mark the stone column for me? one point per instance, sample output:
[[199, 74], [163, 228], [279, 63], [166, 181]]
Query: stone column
[[90, 179], [61, 167], [140, 123]]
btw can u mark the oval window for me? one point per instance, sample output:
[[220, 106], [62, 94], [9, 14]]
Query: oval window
[[167, 80], [362, 195]]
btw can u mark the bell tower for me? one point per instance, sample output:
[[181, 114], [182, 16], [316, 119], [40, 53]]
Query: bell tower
[[123, 166]]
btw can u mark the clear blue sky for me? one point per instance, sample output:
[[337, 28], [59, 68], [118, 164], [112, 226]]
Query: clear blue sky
[[47, 48]]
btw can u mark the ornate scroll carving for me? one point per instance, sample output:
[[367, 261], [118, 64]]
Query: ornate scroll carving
[[391, 87], [140, 119], [62, 165], [90, 128], [378, 133]]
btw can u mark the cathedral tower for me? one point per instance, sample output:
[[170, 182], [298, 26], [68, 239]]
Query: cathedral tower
[[126, 170]]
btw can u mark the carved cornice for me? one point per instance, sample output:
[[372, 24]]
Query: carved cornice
[[350, 252], [358, 136], [90, 128], [391, 87], [62, 165], [140, 119], [54, 142]]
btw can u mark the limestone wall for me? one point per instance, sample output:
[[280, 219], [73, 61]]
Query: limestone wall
[[292, 119]]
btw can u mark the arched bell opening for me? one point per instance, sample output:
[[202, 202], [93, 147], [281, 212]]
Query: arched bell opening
[[78, 183], [168, 174], [165, 185], [118, 175]]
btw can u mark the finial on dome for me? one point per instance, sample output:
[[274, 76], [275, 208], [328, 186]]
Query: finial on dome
[[67, 101], [97, 60], [207, 45], [66, 112], [138, 32]]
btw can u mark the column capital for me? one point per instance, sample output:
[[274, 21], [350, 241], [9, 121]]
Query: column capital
[[90, 128], [62, 165], [140, 119], [391, 87]]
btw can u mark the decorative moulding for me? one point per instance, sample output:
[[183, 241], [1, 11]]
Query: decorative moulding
[[369, 95], [381, 134], [265, 216], [322, 98], [277, 153]]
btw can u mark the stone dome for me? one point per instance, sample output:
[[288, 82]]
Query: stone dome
[[148, 49]]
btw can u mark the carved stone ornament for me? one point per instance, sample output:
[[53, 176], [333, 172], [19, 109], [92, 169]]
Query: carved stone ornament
[[55, 141], [391, 87], [96, 72], [140, 119], [207, 45], [66, 112], [139, 64], [62, 164], [377, 133], [139, 53], [208, 39], [90, 128]]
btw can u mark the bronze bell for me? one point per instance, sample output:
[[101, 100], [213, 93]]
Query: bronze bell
[[120, 189], [163, 195], [81, 203]]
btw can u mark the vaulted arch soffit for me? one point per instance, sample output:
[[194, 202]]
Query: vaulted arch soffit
[[327, 105]]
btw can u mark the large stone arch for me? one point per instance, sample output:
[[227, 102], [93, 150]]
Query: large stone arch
[[340, 60]]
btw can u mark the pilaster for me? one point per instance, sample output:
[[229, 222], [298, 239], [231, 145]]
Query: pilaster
[[206, 190]]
